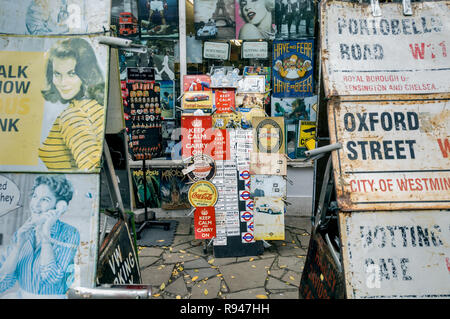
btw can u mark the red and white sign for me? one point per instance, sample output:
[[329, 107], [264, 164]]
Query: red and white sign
[[196, 83], [224, 100], [219, 145], [195, 134], [205, 222]]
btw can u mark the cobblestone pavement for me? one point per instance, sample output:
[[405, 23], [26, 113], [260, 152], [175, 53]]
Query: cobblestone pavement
[[184, 271]]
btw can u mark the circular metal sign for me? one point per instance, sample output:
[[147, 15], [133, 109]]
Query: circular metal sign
[[269, 136], [200, 167], [202, 194]]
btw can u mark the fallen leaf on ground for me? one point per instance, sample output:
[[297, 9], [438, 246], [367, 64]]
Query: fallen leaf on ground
[[261, 297], [163, 285], [292, 278], [205, 292], [195, 278], [178, 297], [251, 259], [210, 261]]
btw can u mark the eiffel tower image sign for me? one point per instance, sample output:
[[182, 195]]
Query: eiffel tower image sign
[[221, 14]]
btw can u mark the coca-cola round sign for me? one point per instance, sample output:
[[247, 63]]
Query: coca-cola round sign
[[202, 194]]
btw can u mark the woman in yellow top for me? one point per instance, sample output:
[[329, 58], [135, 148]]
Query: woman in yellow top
[[73, 76]]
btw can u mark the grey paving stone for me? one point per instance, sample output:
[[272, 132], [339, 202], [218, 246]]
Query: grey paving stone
[[144, 261], [298, 222], [196, 263], [183, 247], [292, 277], [292, 263], [222, 261], [150, 251], [198, 250], [291, 250], [274, 285], [246, 275], [206, 290], [291, 294], [202, 273], [277, 273], [177, 287], [173, 258], [246, 294], [156, 275]]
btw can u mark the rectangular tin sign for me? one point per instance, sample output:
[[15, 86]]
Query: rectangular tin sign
[[391, 54], [394, 155], [401, 254]]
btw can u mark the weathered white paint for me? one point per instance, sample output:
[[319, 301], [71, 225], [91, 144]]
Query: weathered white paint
[[391, 54], [401, 254], [395, 154]]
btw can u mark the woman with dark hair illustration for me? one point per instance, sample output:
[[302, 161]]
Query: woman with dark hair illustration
[[74, 77], [40, 257], [258, 17]]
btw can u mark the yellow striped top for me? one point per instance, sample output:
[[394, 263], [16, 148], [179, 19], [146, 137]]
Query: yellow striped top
[[75, 139]]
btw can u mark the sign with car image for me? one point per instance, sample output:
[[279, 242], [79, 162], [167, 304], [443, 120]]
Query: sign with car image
[[197, 100], [269, 218]]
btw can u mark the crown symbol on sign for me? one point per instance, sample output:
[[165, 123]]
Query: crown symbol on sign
[[204, 212], [197, 123]]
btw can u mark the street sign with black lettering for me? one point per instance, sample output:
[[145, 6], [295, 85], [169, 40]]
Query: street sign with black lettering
[[401, 254], [394, 155], [392, 54]]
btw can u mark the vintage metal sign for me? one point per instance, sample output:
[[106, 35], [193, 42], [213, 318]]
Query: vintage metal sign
[[197, 100], [269, 218], [205, 223], [293, 65], [216, 50], [391, 54], [255, 50], [200, 167], [54, 17], [56, 214], [401, 254], [395, 154], [118, 263], [268, 134], [202, 194], [196, 134], [46, 98]]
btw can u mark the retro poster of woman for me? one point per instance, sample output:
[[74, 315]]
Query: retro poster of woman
[[214, 19], [254, 19], [293, 67], [54, 17], [52, 89], [49, 229]]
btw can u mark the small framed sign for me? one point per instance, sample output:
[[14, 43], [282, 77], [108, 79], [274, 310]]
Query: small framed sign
[[255, 50], [216, 50], [140, 74]]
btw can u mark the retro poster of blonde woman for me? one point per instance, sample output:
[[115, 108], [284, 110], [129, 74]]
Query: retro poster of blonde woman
[[49, 234], [52, 103]]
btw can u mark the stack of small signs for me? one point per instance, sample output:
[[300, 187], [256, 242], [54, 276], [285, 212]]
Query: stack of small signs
[[267, 182], [53, 97]]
